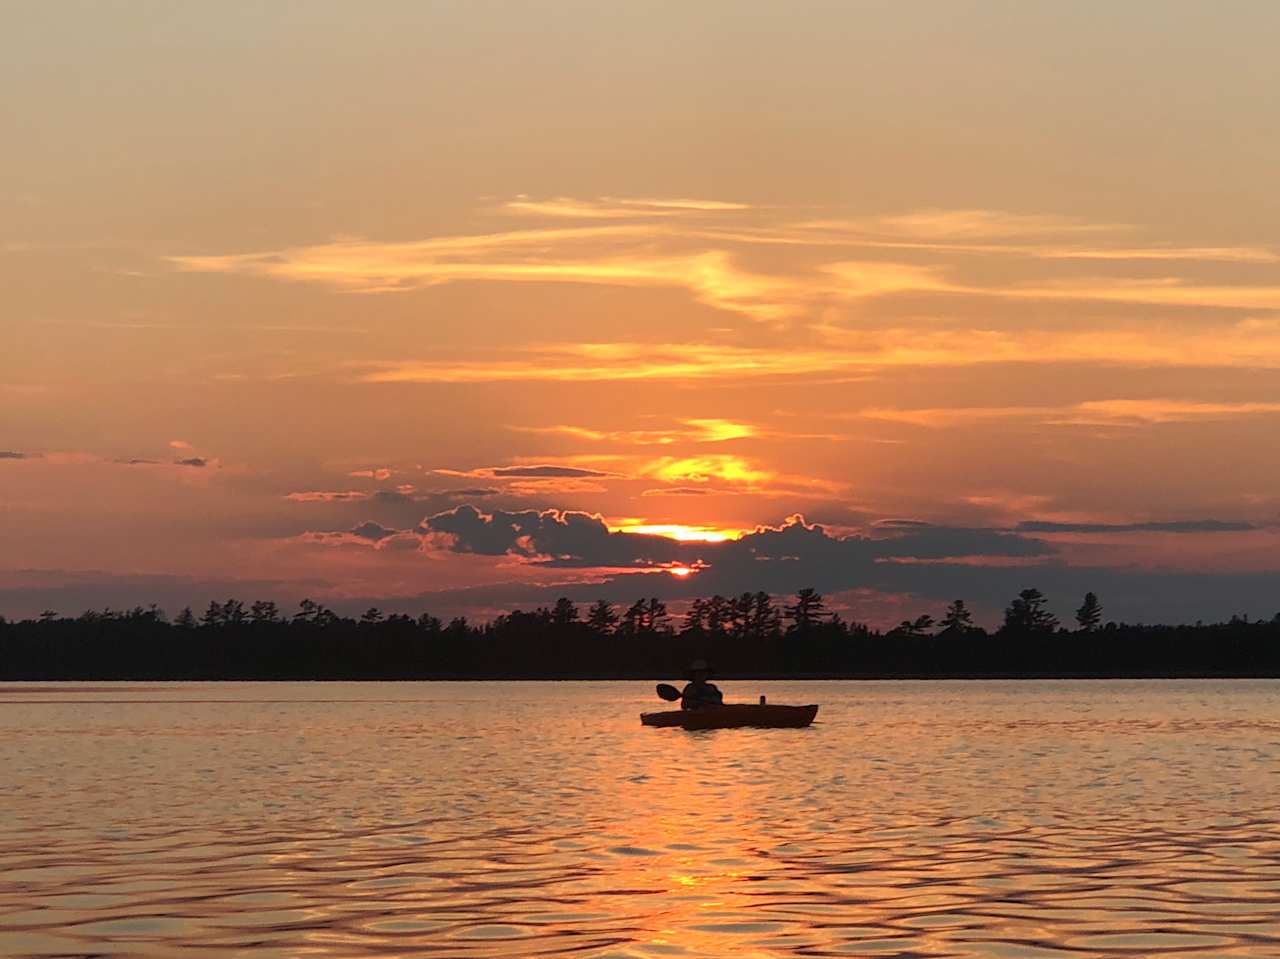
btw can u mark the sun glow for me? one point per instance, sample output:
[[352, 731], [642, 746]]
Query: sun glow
[[680, 572], [686, 534], [703, 469]]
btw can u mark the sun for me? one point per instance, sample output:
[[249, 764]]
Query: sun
[[677, 531], [684, 570]]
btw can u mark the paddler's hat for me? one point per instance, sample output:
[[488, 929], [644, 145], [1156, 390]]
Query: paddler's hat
[[698, 666]]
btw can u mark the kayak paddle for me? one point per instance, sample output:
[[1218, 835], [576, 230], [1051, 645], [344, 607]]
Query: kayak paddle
[[667, 692]]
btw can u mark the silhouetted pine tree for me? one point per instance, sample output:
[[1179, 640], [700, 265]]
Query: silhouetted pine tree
[[306, 612], [1089, 615], [807, 611], [655, 615], [264, 611], [766, 621], [719, 615], [213, 616], [564, 612], [695, 617], [634, 619], [1027, 614], [914, 628], [601, 618], [957, 620]]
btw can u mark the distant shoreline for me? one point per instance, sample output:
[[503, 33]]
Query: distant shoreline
[[235, 642], [807, 678]]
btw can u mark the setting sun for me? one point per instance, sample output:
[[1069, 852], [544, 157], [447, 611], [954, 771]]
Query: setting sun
[[686, 534]]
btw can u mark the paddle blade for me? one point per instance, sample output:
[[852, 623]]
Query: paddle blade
[[667, 692]]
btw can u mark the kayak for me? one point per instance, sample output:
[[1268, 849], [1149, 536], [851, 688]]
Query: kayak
[[734, 717]]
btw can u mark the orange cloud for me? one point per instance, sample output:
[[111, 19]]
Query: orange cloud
[[1248, 343], [324, 496], [1171, 411], [697, 431], [1088, 412], [702, 469], [656, 247], [981, 223], [571, 255], [1165, 291], [615, 207], [945, 416]]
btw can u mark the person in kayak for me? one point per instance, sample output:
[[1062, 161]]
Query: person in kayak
[[698, 693]]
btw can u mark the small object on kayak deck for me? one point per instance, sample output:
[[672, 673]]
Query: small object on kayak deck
[[734, 716]]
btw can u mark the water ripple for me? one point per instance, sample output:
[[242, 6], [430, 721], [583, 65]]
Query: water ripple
[[947, 820]]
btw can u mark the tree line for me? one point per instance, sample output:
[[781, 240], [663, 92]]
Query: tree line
[[748, 635]]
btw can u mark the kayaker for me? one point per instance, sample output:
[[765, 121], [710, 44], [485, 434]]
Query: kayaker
[[698, 693]]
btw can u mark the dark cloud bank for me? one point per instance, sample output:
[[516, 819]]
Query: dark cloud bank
[[926, 565], [933, 564]]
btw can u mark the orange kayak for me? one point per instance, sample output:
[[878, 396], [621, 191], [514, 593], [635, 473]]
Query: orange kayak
[[734, 717]]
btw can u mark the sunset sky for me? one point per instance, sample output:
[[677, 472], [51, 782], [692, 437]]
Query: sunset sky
[[465, 306]]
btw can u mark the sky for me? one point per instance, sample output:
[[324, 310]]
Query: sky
[[464, 306]]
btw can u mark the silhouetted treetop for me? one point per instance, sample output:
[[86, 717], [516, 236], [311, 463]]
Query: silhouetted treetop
[[1089, 615], [1029, 614]]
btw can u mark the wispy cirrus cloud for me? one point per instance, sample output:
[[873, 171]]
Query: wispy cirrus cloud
[[973, 224], [538, 479], [612, 362], [1171, 410], [584, 255], [192, 462], [684, 491], [653, 243], [1003, 233], [844, 351], [1162, 291], [1205, 254], [1174, 526], [726, 473], [689, 431], [610, 208], [1088, 412], [723, 468], [938, 417], [533, 471], [328, 496]]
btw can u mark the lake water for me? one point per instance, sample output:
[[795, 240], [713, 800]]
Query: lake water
[[1047, 820]]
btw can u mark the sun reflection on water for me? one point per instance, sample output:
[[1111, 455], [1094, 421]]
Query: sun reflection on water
[[477, 821]]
